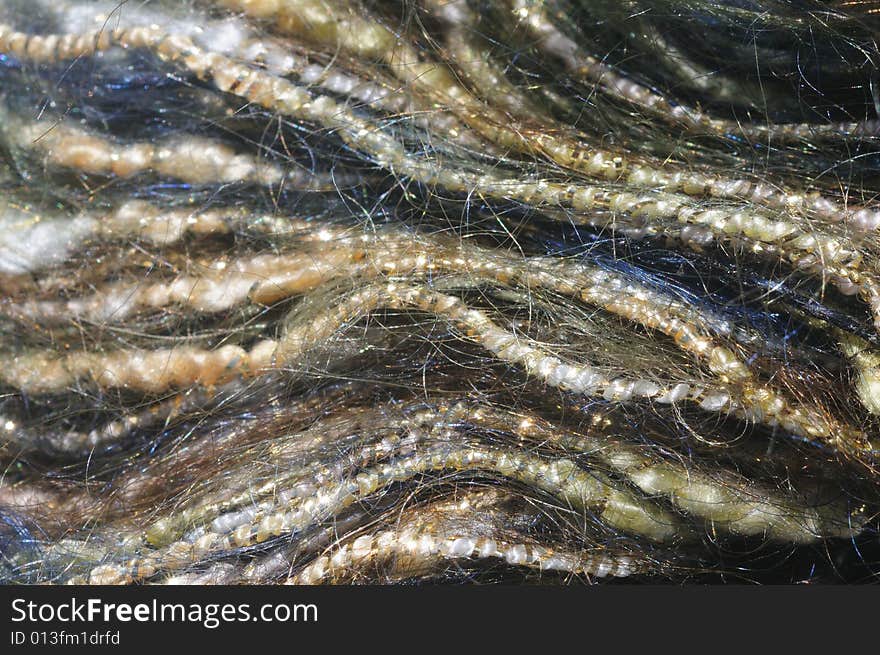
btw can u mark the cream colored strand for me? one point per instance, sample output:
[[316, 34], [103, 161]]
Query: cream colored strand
[[192, 159], [82, 442], [475, 62], [269, 278], [391, 254], [151, 371], [416, 549], [249, 83], [74, 441], [726, 502], [158, 370], [139, 219], [385, 96], [261, 279], [866, 362], [323, 22], [33, 240], [562, 478], [761, 404], [533, 15], [240, 498], [196, 160], [394, 99], [813, 250], [423, 537], [266, 278], [127, 489], [316, 20]]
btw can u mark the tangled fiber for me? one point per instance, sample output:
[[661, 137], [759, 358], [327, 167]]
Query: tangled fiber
[[344, 291]]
